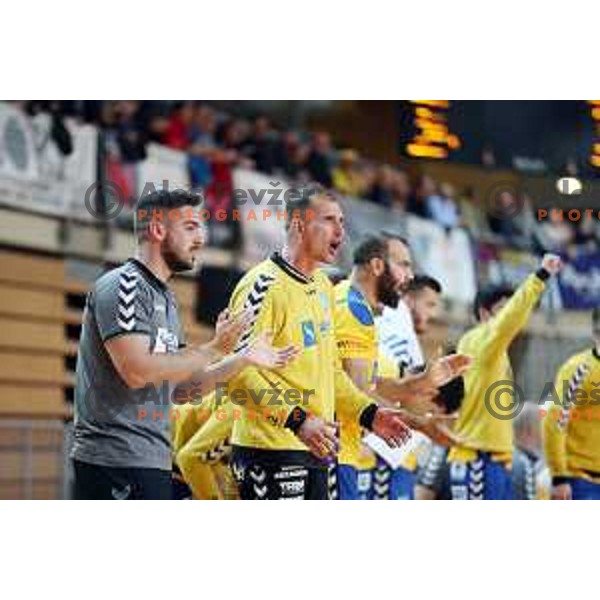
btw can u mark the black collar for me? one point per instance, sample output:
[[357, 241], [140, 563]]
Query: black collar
[[149, 275], [289, 268], [595, 353]]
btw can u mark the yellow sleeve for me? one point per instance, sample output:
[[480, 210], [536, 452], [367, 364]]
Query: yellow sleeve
[[513, 317], [387, 368], [258, 292], [350, 401], [354, 341], [554, 434]]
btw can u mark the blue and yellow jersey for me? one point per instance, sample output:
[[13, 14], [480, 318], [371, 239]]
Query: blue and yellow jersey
[[572, 446], [297, 310], [488, 344], [356, 338]]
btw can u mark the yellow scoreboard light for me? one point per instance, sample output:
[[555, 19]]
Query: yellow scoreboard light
[[426, 151], [433, 138], [595, 155]]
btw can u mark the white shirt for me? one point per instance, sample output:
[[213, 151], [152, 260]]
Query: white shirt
[[397, 337], [398, 341]]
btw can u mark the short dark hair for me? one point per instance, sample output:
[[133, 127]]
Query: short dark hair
[[162, 200], [390, 235], [375, 246], [489, 296], [300, 199], [420, 282]]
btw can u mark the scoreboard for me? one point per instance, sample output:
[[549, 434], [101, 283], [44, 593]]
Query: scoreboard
[[539, 135]]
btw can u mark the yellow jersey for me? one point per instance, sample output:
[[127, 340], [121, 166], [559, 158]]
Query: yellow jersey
[[297, 310], [572, 446], [356, 338], [488, 344]]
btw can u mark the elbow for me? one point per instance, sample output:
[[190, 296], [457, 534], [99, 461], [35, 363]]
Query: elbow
[[134, 378]]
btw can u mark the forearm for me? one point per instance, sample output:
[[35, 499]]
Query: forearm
[[351, 402], [209, 350], [406, 391], [554, 438], [513, 317], [189, 365], [221, 371]]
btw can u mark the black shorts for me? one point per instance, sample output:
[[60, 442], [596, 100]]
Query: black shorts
[[278, 475], [95, 482]]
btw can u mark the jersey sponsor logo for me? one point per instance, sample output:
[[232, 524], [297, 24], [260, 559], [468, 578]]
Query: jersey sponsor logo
[[363, 481], [287, 473], [459, 492], [325, 326], [326, 306], [292, 487], [353, 345], [121, 494], [239, 471], [458, 471], [165, 341], [309, 334]]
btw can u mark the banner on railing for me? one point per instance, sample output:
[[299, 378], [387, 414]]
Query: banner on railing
[[35, 172]]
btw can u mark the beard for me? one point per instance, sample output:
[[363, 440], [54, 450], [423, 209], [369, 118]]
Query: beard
[[387, 293], [174, 261]]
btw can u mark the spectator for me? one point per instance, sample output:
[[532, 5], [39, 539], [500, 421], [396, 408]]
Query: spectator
[[178, 129], [382, 191], [367, 172], [473, 219], [284, 148], [526, 226], [130, 131], [263, 145], [203, 127], [319, 159], [203, 145], [499, 220], [556, 236], [346, 176], [294, 157], [586, 236], [443, 209], [417, 203], [401, 190], [232, 135]]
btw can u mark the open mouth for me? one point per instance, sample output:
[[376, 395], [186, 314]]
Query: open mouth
[[334, 247]]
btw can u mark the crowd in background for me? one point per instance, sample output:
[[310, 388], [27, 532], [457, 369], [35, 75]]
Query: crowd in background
[[215, 142]]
